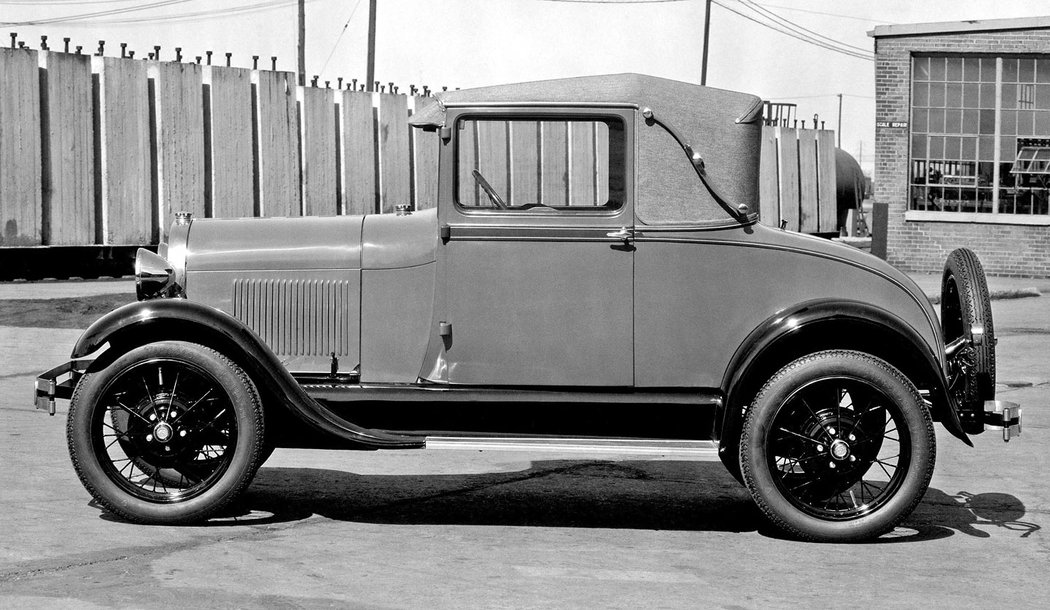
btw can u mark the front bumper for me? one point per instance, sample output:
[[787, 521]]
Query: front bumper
[[58, 382], [1005, 415]]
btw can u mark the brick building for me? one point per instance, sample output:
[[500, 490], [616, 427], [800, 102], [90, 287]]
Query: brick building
[[962, 142]]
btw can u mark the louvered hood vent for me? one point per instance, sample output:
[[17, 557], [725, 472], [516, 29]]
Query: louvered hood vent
[[296, 317]]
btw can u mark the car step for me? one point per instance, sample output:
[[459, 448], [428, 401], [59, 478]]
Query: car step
[[695, 449]]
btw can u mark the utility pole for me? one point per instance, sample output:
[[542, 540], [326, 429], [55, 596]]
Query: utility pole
[[370, 80], [707, 33], [302, 43], [839, 135]]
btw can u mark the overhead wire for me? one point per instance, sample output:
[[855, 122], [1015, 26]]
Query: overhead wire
[[102, 13], [798, 28], [804, 38], [343, 31]]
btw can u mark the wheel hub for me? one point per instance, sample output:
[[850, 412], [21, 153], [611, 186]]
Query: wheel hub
[[163, 432], [840, 449]]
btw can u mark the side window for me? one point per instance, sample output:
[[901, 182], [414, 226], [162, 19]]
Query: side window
[[520, 164]]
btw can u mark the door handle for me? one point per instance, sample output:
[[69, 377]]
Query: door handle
[[624, 233]]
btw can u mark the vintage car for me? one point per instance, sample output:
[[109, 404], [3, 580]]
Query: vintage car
[[593, 272]]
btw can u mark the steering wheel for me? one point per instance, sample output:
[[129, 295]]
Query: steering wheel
[[493, 195]]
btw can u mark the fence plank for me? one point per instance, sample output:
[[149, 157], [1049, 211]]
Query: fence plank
[[230, 149], [124, 132], [467, 190], [525, 159], [278, 152], [807, 178], [493, 158], [358, 153], [393, 151], [319, 158], [826, 187], [582, 167], [601, 159], [425, 147], [769, 179], [554, 163], [180, 140], [20, 166], [787, 147], [67, 154]]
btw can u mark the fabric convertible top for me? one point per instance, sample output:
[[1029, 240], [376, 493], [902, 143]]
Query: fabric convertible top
[[723, 126]]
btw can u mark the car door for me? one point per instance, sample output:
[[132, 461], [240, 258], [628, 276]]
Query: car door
[[537, 249]]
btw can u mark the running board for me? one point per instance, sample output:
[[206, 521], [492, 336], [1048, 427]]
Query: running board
[[699, 450]]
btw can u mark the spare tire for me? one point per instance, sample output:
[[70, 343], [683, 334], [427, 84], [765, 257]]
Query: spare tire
[[965, 307]]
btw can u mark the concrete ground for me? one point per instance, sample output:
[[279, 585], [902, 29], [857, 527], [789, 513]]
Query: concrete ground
[[461, 529]]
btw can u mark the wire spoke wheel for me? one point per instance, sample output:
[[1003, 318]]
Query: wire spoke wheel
[[169, 432], [837, 447]]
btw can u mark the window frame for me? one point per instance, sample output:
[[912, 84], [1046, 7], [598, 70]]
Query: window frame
[[613, 114]]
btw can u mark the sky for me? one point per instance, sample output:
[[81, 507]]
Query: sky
[[468, 43]]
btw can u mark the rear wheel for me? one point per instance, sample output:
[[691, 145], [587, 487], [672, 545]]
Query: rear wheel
[[837, 447], [169, 432]]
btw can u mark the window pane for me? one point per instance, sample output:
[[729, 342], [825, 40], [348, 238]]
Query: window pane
[[987, 70], [954, 96], [955, 69], [936, 147], [952, 148], [953, 121], [937, 68], [918, 146], [1042, 96], [922, 68], [937, 120], [1026, 96], [936, 95], [986, 148], [1009, 147], [920, 94], [969, 148], [1025, 119], [971, 121], [920, 120], [1009, 70], [1009, 96], [971, 69], [1042, 124], [1042, 70], [988, 95], [1009, 123], [1026, 70], [970, 95], [987, 122], [528, 163]]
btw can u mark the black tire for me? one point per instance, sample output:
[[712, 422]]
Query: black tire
[[965, 304], [168, 433], [837, 447]]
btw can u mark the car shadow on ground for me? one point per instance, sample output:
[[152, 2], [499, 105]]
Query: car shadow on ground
[[659, 495]]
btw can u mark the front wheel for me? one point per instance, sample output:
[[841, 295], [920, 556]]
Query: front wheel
[[837, 447], [169, 432]]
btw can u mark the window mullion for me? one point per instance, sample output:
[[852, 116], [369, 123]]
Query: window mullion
[[997, 143]]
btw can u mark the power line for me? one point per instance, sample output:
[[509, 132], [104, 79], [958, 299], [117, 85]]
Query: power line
[[243, 9], [343, 31], [103, 13], [841, 16], [804, 38], [792, 25]]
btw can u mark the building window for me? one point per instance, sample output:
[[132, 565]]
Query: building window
[[980, 134]]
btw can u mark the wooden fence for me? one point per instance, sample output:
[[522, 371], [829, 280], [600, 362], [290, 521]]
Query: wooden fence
[[797, 179], [103, 151]]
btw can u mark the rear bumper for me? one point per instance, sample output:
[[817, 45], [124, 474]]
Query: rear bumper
[[1000, 414], [56, 383]]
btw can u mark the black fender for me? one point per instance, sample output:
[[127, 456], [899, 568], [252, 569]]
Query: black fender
[[898, 341], [137, 323]]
